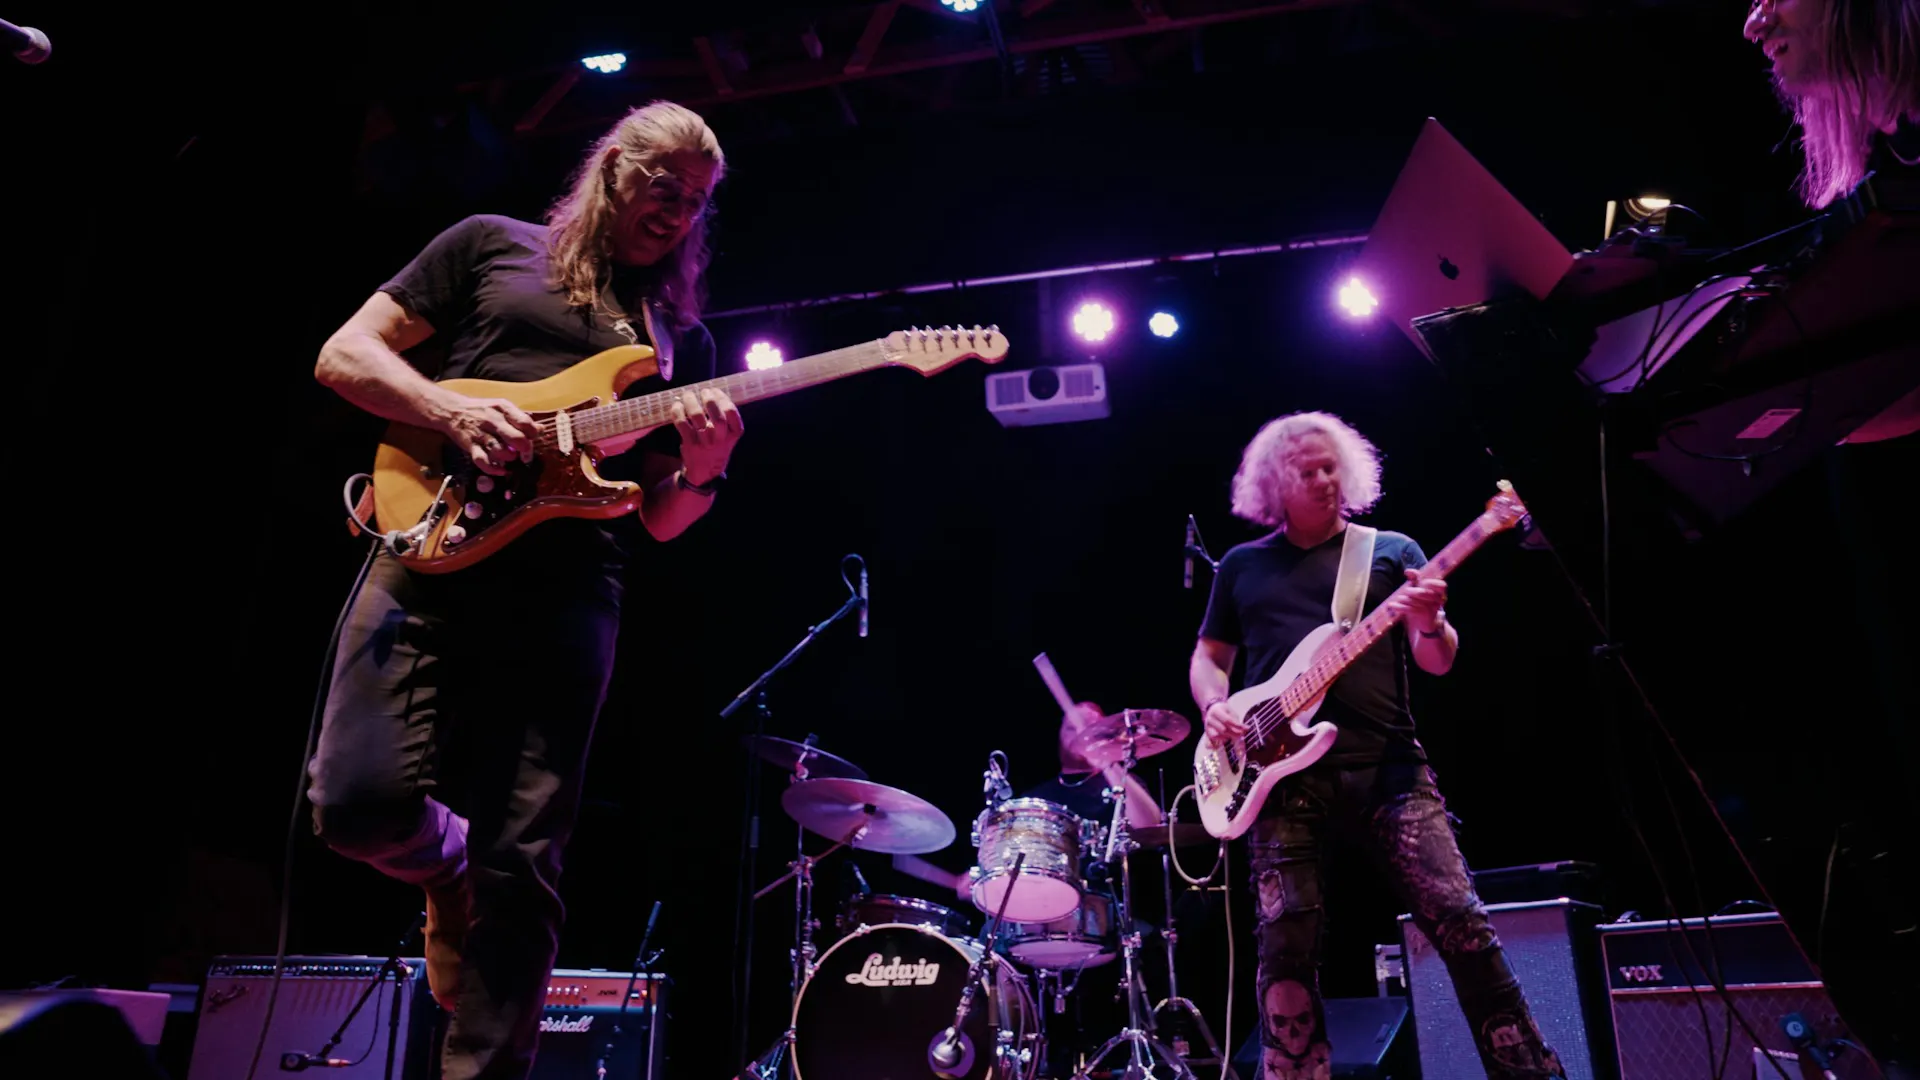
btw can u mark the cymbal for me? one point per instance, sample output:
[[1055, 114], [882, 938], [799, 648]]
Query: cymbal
[[1104, 741], [1185, 834], [880, 818], [787, 754]]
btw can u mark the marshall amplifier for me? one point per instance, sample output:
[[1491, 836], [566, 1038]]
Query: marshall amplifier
[[583, 1016], [1550, 945], [1670, 1023], [316, 994]]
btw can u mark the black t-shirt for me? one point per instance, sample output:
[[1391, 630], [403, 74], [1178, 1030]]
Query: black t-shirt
[[1080, 793], [1270, 594], [485, 287]]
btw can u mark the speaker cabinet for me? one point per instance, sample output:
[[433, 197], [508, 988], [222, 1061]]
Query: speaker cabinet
[[1551, 947], [316, 994], [584, 1025], [1669, 1020]]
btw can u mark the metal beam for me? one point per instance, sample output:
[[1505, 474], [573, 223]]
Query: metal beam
[[870, 38], [710, 61], [532, 117], [1298, 243], [1069, 33]]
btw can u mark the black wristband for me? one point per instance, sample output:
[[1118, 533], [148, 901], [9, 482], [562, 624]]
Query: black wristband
[[708, 489]]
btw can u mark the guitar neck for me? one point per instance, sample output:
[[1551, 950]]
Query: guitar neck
[[656, 410], [1314, 681]]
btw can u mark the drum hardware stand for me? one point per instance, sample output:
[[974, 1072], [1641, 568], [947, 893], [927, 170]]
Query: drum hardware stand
[[750, 821], [1171, 934], [950, 1054], [800, 871], [1137, 1036]]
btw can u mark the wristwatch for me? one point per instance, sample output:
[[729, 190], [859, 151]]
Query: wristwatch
[[1441, 630], [708, 489]]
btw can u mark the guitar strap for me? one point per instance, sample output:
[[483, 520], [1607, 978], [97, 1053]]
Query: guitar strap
[[661, 335], [1356, 570]]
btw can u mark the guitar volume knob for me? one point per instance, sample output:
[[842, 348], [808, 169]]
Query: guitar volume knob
[[472, 510], [483, 483]]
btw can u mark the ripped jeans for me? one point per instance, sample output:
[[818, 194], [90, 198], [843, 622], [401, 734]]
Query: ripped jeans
[[1396, 814]]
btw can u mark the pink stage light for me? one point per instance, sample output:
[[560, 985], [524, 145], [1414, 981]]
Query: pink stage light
[[763, 355], [1357, 299], [1094, 321]]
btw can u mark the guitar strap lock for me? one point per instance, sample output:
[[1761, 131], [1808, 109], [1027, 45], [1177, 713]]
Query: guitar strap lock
[[1356, 571]]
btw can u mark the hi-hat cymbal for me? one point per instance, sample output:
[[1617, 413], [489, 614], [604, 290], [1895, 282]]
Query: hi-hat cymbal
[[1104, 741], [877, 817], [787, 754]]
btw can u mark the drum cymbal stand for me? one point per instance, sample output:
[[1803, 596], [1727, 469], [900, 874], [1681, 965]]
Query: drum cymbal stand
[[772, 1063], [1143, 1049], [1171, 934]]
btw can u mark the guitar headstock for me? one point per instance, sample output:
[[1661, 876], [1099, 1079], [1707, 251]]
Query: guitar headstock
[[1505, 509], [931, 350]]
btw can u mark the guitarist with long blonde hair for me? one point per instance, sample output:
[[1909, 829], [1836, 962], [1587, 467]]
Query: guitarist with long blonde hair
[[1304, 475], [503, 666]]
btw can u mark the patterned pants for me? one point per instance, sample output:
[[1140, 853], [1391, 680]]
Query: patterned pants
[[1396, 814]]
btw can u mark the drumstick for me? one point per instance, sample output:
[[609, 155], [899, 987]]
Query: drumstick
[[1052, 679], [914, 866]]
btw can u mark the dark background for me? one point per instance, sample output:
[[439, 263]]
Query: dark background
[[195, 204]]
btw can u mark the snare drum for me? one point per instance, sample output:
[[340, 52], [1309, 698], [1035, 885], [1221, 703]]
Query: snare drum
[[1086, 938], [877, 909], [882, 995], [1049, 883]]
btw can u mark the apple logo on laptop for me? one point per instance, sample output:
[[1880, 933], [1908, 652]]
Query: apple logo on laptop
[[1447, 268]]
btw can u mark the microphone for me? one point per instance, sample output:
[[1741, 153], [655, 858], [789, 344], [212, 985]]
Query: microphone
[[996, 786], [949, 1050], [1189, 550], [298, 1062], [863, 598], [647, 934], [30, 46]]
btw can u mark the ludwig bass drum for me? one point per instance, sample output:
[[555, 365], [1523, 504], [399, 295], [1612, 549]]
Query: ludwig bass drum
[[880, 997]]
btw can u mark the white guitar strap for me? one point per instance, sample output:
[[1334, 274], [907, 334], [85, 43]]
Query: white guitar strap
[[661, 336], [1356, 571]]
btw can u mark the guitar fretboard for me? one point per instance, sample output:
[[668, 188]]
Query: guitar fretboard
[[1321, 674], [656, 410]]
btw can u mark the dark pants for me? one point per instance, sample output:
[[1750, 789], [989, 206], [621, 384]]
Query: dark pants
[[1396, 814], [480, 691]]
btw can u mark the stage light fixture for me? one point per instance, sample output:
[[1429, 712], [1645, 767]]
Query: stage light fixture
[[1093, 321], [1650, 210], [606, 63], [763, 355], [962, 5], [1163, 324], [1356, 299]]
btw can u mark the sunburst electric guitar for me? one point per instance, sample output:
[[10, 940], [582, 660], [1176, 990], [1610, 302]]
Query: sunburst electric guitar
[[1232, 780], [441, 512]]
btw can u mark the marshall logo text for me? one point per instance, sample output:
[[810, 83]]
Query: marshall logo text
[[575, 1025], [878, 972], [1642, 973]]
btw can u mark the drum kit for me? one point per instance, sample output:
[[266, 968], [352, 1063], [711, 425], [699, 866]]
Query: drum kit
[[908, 989]]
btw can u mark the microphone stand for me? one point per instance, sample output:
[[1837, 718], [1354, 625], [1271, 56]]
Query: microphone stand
[[750, 820], [641, 962], [952, 1043], [401, 975]]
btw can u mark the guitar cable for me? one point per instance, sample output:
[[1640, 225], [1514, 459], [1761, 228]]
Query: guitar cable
[[396, 541], [300, 792]]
